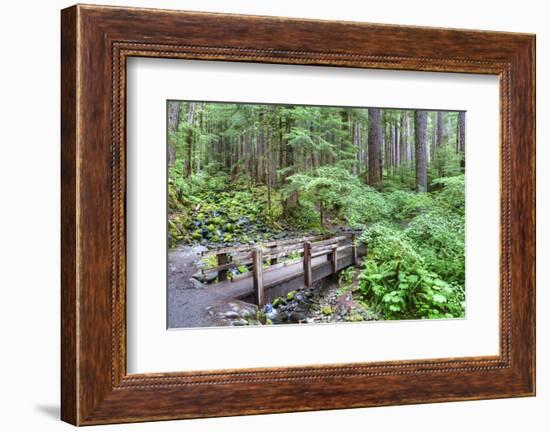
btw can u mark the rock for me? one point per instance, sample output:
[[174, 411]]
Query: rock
[[231, 315], [199, 249], [206, 277], [296, 317], [246, 313], [196, 284], [240, 322], [242, 221]]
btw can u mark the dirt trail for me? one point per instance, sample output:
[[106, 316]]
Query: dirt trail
[[190, 304]]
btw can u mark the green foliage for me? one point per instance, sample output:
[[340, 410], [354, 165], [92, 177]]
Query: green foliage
[[346, 276], [409, 292], [303, 216], [337, 190], [446, 163], [452, 199], [417, 271], [406, 205], [242, 173]]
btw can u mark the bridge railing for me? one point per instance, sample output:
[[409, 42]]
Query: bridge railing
[[268, 255]]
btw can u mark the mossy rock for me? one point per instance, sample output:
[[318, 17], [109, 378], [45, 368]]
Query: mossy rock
[[261, 317], [290, 295], [277, 302], [326, 310], [355, 317]]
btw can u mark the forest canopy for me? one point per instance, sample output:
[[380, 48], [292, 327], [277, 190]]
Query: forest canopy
[[243, 173]]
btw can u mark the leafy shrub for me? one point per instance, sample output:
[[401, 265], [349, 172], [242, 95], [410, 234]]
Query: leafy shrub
[[439, 239], [395, 279], [409, 292], [406, 205], [303, 216], [335, 188], [452, 197]]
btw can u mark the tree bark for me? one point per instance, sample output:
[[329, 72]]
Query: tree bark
[[440, 129], [374, 146], [292, 200], [173, 123], [420, 124], [173, 115], [260, 159], [403, 140], [461, 137], [356, 146], [189, 138]]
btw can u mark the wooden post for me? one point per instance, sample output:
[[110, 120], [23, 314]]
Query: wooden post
[[273, 260], [222, 260], [257, 276], [308, 276], [354, 260], [334, 258]]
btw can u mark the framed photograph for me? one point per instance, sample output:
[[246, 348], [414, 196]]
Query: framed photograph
[[264, 214]]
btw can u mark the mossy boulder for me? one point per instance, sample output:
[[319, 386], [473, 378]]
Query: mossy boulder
[[326, 310]]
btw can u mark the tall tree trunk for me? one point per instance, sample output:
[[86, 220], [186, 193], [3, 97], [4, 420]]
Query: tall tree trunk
[[391, 150], [403, 140], [173, 115], [461, 137], [292, 200], [260, 144], [440, 129], [356, 146], [344, 141], [374, 146], [449, 132], [420, 124], [173, 123], [237, 164], [189, 138], [395, 146], [282, 148], [387, 145]]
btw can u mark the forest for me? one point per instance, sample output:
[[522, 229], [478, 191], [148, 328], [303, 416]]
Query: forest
[[249, 173]]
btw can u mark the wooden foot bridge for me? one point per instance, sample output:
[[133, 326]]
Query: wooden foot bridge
[[278, 267]]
